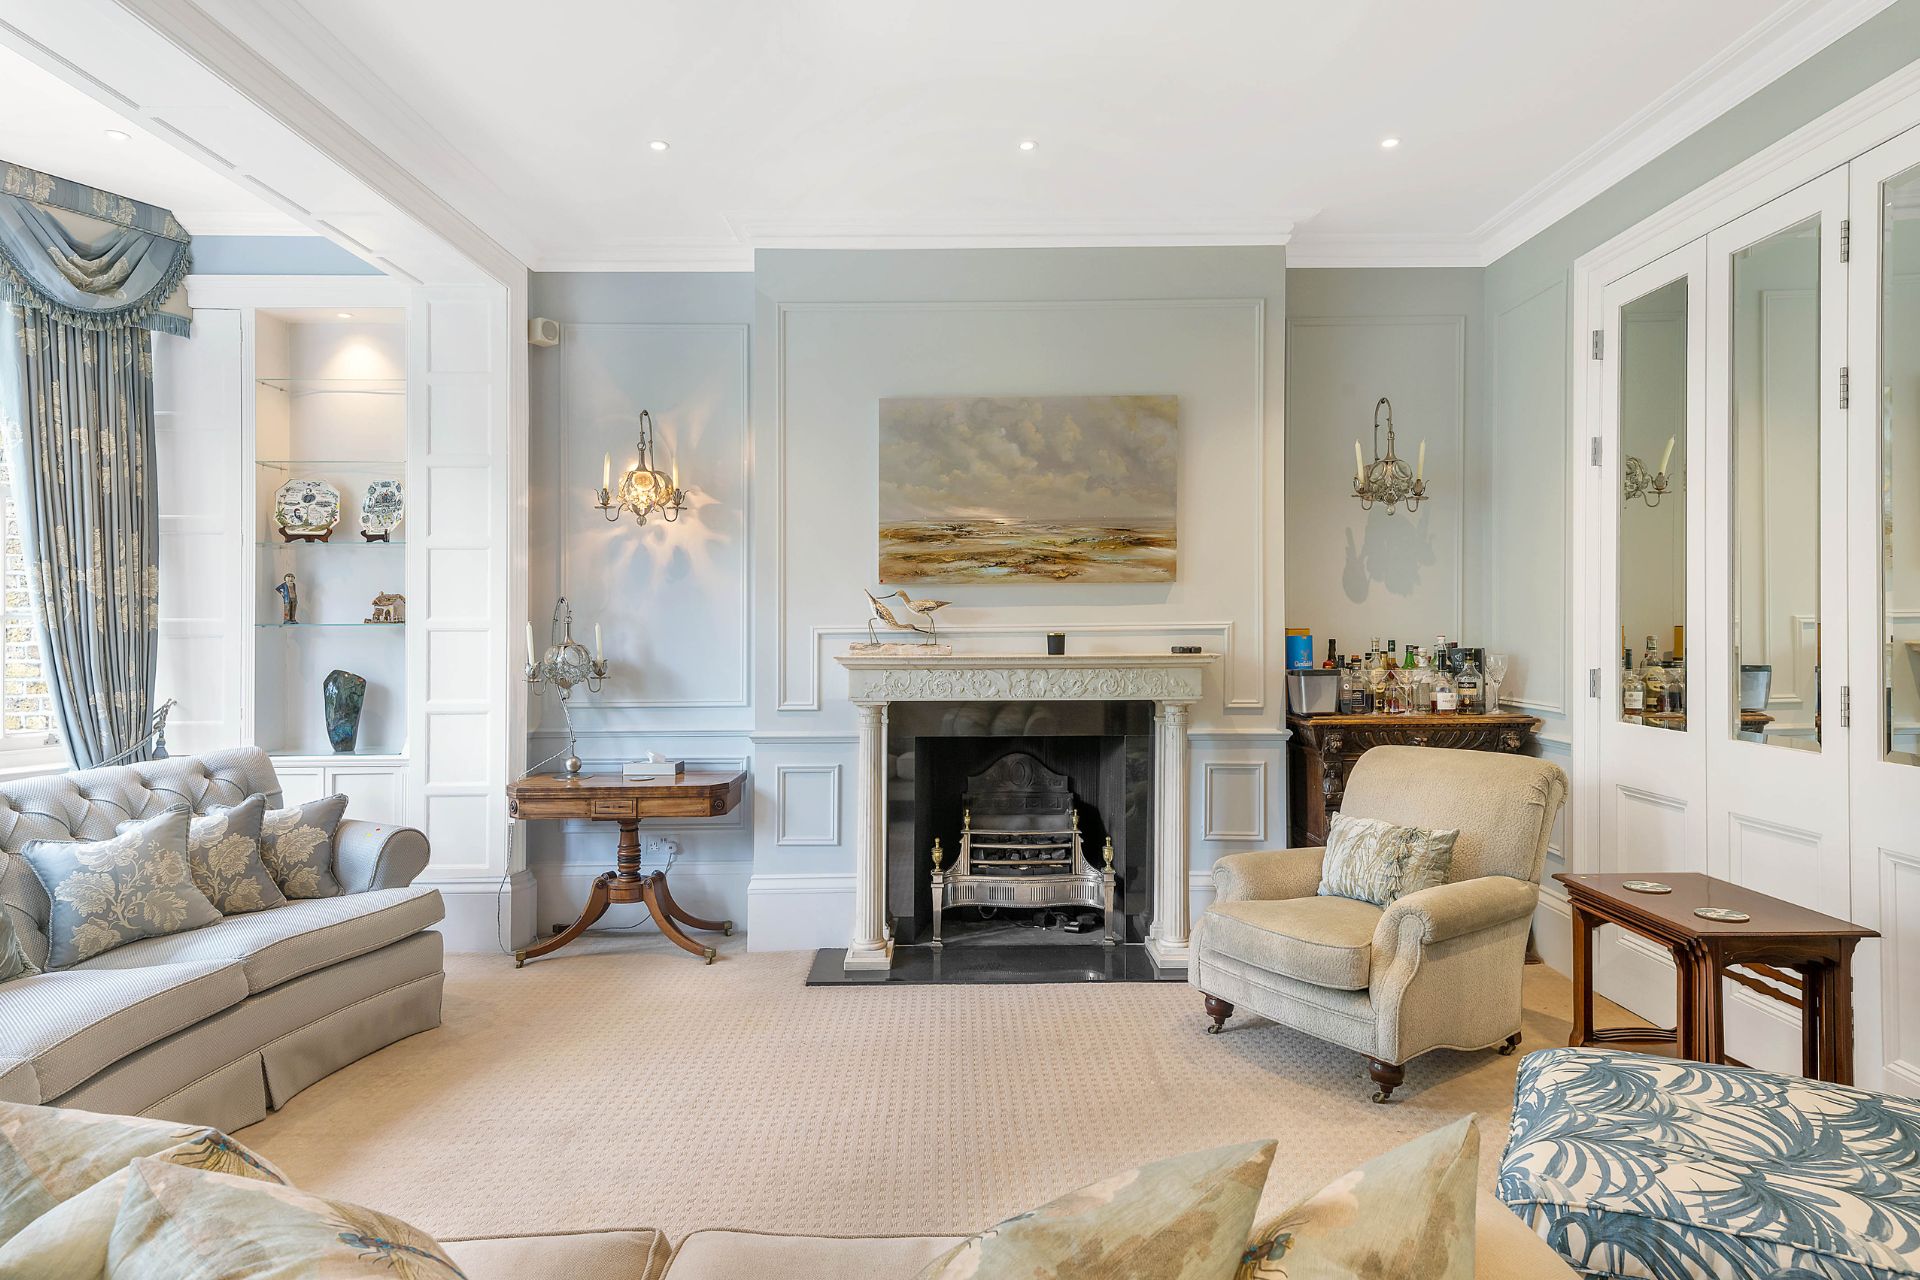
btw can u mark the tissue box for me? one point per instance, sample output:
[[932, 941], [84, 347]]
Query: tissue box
[[639, 770]]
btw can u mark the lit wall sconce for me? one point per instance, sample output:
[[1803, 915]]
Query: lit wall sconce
[[644, 489]]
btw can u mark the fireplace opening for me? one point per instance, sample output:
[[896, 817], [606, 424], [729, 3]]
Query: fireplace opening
[[1050, 785]]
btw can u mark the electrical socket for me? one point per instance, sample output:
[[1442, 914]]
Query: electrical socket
[[659, 848]]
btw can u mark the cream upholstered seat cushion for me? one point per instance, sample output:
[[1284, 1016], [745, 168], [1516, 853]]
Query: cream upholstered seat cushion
[[1325, 941], [283, 943], [574, 1255], [74, 1023]]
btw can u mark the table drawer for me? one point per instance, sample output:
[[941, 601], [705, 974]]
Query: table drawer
[[614, 808]]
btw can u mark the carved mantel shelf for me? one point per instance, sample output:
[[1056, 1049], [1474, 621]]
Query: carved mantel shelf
[[1173, 682]]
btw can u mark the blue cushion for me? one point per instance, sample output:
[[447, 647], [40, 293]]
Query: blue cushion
[[1641, 1166]]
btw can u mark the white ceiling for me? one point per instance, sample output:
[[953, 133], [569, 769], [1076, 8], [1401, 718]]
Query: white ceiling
[[49, 125], [877, 122]]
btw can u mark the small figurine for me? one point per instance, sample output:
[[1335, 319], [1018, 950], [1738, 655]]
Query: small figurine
[[289, 592], [389, 606], [884, 615], [926, 609]]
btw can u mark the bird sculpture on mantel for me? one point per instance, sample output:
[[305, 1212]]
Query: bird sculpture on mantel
[[885, 615], [926, 609]]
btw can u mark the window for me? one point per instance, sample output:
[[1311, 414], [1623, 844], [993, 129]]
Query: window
[[26, 707]]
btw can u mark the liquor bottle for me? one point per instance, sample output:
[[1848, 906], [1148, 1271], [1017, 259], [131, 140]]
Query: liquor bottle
[[1332, 663], [1393, 661], [1440, 653], [1471, 691], [1362, 690], [1633, 694], [1653, 681], [1420, 685], [1446, 697], [1377, 683], [1343, 701]]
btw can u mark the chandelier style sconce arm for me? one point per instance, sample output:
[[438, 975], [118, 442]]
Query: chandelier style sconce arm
[[1387, 479], [566, 665], [644, 490], [1648, 486]]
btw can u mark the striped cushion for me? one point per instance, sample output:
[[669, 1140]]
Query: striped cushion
[[1372, 860]]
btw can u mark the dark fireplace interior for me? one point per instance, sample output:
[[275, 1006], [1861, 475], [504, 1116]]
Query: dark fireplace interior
[[1105, 749]]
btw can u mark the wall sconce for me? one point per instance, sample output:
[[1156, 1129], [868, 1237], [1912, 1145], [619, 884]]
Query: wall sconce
[[644, 489], [1387, 479], [1648, 486]]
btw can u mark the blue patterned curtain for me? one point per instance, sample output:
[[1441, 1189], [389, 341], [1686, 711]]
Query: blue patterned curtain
[[76, 404]]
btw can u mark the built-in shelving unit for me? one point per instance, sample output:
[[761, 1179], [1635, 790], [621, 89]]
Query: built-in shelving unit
[[329, 405]]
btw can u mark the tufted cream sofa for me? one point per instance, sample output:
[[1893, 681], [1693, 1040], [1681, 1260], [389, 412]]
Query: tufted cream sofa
[[216, 1025]]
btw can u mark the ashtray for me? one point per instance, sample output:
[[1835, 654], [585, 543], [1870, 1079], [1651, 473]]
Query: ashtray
[[1725, 915], [1646, 886]]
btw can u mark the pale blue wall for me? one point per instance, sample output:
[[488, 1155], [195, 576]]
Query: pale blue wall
[[275, 256]]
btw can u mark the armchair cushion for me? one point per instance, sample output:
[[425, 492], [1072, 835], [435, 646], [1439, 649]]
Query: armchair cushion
[[1376, 861], [1325, 941], [1270, 873]]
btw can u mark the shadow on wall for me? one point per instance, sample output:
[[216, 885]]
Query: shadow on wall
[[1397, 548]]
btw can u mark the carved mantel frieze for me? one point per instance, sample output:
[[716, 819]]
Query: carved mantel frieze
[[1024, 678]]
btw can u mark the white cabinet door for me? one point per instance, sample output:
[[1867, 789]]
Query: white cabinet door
[[1884, 568], [198, 383], [1773, 662], [1652, 528]]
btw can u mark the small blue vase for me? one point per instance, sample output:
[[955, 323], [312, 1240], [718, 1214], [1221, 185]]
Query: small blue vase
[[344, 694]]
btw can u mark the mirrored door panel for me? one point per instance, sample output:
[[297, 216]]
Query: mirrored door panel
[[1653, 530], [1897, 495], [1774, 426]]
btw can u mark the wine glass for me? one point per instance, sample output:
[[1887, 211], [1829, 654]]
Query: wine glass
[[1496, 676]]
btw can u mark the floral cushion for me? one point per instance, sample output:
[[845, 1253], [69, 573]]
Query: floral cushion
[[1372, 860], [48, 1155], [13, 959], [1409, 1212], [107, 893], [173, 1221], [1183, 1218], [224, 847], [1638, 1166], [297, 846]]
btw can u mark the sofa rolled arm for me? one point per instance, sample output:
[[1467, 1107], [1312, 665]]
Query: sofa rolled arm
[[1452, 910], [378, 855], [1267, 875]]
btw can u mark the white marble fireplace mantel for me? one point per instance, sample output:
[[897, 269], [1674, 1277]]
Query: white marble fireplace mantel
[[1171, 681]]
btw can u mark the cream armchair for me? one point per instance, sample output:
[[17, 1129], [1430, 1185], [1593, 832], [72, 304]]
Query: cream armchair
[[1437, 969]]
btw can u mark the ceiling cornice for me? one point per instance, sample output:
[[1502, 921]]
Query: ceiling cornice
[[1310, 251]]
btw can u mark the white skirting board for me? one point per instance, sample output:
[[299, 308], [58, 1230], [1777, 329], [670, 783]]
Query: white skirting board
[[487, 915]]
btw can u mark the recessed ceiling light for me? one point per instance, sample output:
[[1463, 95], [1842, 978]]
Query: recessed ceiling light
[[1028, 144], [1388, 144], [343, 315], [657, 145], [118, 135]]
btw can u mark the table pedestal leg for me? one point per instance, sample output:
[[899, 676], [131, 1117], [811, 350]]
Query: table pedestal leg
[[624, 884]]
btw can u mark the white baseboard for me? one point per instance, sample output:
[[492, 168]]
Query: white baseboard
[[799, 912], [480, 912], [1553, 932]]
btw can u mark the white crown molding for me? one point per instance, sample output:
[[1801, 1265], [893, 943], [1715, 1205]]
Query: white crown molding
[[961, 231], [722, 255], [231, 222], [1763, 55], [1387, 250]]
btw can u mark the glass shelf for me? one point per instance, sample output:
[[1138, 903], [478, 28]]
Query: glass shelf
[[334, 464], [329, 626], [358, 543], [361, 386]]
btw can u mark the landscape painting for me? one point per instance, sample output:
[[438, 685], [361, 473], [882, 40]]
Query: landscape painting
[[1028, 488]]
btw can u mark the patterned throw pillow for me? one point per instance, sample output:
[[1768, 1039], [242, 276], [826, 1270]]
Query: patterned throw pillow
[[297, 846], [13, 960], [107, 893], [49, 1155], [224, 847], [1374, 861], [1184, 1218], [1409, 1212], [174, 1221]]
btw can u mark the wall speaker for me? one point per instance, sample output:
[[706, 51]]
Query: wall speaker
[[542, 332]]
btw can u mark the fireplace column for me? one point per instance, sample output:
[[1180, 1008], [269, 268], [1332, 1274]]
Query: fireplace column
[[1167, 939], [870, 948]]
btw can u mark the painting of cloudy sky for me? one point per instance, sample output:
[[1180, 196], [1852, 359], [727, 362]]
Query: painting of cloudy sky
[[1028, 488]]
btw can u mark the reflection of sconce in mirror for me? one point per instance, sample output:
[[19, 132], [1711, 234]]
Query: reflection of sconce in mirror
[[1648, 486]]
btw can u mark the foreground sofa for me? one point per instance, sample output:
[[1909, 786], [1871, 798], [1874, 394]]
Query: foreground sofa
[[216, 1025]]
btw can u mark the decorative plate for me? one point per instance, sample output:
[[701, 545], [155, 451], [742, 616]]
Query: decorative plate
[[1725, 915], [306, 509], [383, 510], [1646, 886]]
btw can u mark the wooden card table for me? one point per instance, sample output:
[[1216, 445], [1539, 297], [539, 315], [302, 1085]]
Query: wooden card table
[[1808, 954], [612, 798]]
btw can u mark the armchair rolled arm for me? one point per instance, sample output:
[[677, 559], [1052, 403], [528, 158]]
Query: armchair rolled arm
[[378, 855], [1267, 875], [1451, 910]]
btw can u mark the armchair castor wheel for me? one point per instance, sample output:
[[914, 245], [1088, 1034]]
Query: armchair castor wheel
[[1388, 1076], [1219, 1010], [1512, 1043]]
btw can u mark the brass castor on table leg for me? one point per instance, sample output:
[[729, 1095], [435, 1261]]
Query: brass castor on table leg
[[710, 953], [1219, 1010], [519, 959], [1513, 1042], [1388, 1076], [726, 928]]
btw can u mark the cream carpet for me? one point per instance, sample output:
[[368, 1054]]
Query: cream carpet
[[621, 1083]]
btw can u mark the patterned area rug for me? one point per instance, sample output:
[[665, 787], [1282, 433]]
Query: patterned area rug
[[621, 1083]]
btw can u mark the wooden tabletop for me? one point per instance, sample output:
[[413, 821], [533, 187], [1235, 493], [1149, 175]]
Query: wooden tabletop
[[608, 795], [1420, 719], [1674, 911], [690, 783]]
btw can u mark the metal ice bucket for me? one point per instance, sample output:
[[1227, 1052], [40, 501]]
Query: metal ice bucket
[[1313, 692]]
